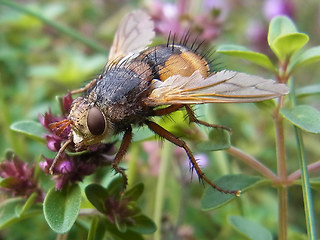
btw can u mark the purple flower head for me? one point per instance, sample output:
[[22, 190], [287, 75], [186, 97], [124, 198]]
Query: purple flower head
[[58, 134], [180, 19], [18, 178], [118, 210], [273, 8], [71, 167], [257, 34]]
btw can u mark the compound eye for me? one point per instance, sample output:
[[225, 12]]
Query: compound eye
[[95, 121]]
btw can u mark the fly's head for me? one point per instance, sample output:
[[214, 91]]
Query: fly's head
[[89, 124]]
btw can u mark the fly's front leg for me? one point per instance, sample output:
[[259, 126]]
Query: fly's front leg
[[193, 118], [175, 140], [86, 87], [126, 140]]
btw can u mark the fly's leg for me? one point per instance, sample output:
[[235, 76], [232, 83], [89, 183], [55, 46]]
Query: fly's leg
[[193, 118], [126, 140], [175, 140], [167, 110], [86, 87], [191, 115]]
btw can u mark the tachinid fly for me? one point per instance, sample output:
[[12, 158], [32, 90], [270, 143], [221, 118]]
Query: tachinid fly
[[138, 79]]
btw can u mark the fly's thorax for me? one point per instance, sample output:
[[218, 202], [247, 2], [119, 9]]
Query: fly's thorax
[[89, 124]]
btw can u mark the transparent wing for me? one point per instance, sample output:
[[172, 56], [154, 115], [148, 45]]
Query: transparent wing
[[222, 87], [135, 32]]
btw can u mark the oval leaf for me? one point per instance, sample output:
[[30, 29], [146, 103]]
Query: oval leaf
[[250, 229], [14, 210], [213, 199], [31, 129], [29, 203], [308, 90], [8, 213], [309, 56], [315, 183], [61, 208], [280, 26], [286, 45], [114, 233], [219, 139], [97, 195], [135, 192], [245, 53], [304, 117], [143, 225]]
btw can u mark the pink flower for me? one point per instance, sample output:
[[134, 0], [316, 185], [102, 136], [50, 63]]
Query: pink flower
[[273, 8], [71, 168], [179, 19], [18, 178]]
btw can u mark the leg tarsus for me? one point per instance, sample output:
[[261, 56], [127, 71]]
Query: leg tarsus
[[126, 140], [175, 140], [193, 118]]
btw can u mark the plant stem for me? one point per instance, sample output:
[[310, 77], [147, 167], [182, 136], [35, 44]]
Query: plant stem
[[252, 162], [297, 174], [132, 168], [68, 31], [282, 173], [93, 228], [166, 155], [283, 208], [306, 189]]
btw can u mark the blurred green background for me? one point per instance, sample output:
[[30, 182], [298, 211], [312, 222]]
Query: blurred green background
[[39, 61]]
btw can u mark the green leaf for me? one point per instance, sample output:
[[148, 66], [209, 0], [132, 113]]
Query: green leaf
[[114, 234], [8, 213], [309, 56], [143, 224], [116, 187], [252, 230], [219, 139], [14, 210], [304, 117], [135, 192], [100, 230], [245, 53], [97, 195], [285, 46], [9, 182], [29, 203], [61, 208], [121, 225], [314, 182], [280, 26], [31, 129], [213, 199], [93, 228], [308, 90], [283, 37]]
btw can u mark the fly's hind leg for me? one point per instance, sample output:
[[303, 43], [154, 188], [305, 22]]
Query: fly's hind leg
[[175, 140], [126, 140], [191, 115], [194, 119]]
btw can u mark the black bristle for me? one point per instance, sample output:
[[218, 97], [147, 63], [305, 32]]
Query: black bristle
[[168, 40], [172, 46]]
